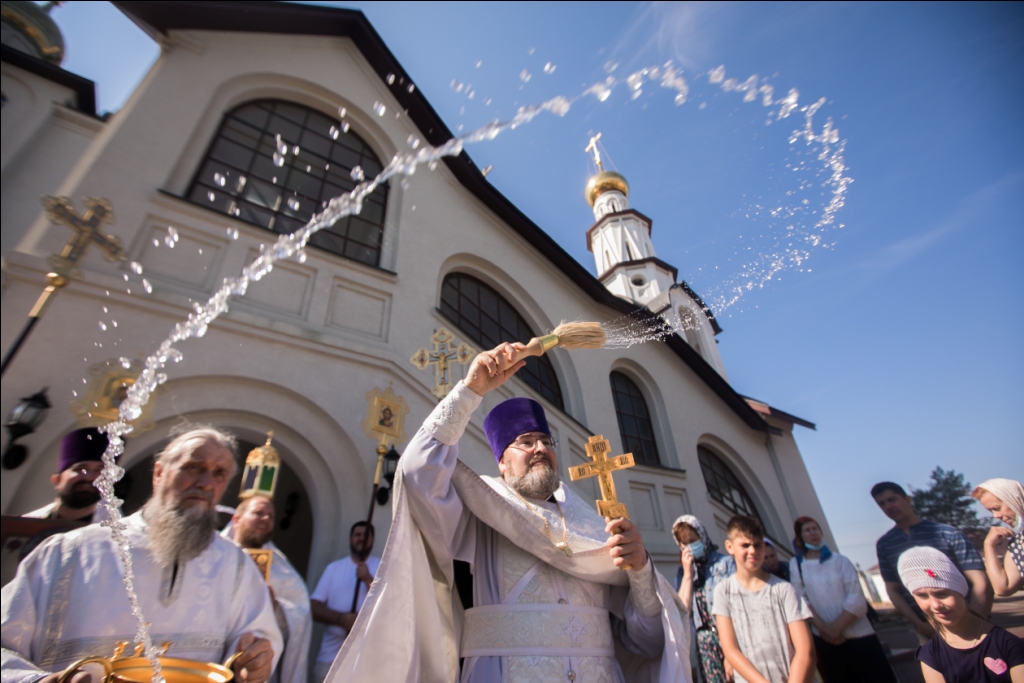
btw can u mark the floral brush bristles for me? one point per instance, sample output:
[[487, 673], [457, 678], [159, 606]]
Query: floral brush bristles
[[578, 335]]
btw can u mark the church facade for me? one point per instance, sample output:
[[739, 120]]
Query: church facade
[[236, 135]]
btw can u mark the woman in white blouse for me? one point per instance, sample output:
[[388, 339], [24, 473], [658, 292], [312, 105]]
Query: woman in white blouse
[[847, 647]]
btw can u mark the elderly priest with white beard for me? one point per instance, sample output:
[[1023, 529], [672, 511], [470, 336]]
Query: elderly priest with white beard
[[510, 578], [199, 591]]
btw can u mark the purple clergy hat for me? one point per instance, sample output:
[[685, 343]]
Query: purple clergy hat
[[511, 418], [81, 445]]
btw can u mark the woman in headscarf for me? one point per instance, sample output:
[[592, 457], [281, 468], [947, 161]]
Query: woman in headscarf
[[1005, 499], [701, 568], [848, 649]]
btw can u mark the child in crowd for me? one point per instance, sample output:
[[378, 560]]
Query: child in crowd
[[965, 648], [762, 623]]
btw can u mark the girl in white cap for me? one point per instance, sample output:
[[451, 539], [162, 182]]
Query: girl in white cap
[[1004, 498], [965, 648]]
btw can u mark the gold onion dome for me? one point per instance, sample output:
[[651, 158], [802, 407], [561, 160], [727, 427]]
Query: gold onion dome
[[28, 28], [604, 181]]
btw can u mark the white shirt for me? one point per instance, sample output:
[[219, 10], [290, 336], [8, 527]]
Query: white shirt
[[831, 588], [335, 589]]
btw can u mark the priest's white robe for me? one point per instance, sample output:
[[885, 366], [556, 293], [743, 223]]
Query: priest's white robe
[[68, 601], [537, 614], [293, 615]]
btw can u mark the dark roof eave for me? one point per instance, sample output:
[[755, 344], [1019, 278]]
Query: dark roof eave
[[157, 18], [783, 415], [85, 90]]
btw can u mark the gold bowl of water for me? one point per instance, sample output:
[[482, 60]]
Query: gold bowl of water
[[138, 669]]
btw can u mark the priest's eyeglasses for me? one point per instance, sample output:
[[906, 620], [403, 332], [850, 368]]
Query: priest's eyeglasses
[[528, 443]]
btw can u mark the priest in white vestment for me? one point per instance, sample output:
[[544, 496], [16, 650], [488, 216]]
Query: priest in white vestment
[[252, 526], [549, 598], [199, 591]]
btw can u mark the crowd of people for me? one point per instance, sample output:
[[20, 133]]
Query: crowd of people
[[508, 578]]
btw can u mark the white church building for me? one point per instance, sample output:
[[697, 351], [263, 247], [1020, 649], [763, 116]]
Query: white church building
[[188, 165]]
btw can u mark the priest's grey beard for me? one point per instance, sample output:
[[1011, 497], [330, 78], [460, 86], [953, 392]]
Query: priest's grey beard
[[178, 535], [537, 483]]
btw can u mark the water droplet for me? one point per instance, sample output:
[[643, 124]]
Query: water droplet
[[549, 68], [525, 76], [219, 179], [103, 326], [296, 150], [293, 203], [341, 112], [84, 381], [125, 277], [74, 393], [156, 242], [278, 159], [391, 79], [413, 207], [413, 141], [301, 258], [335, 132], [114, 322], [125, 362], [200, 250], [487, 102], [232, 232], [274, 180], [136, 267], [104, 309], [432, 165], [281, 146], [357, 174], [379, 108], [211, 196], [405, 183], [146, 286], [411, 87], [241, 183], [344, 126], [479, 63], [308, 168]]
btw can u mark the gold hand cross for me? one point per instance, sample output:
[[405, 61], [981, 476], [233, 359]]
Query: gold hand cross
[[602, 467]]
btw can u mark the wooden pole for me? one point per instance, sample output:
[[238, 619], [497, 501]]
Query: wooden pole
[[363, 551]]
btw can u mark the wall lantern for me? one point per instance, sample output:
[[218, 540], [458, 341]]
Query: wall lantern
[[22, 421]]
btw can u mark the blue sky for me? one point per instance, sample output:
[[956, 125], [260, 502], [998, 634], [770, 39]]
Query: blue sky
[[900, 334]]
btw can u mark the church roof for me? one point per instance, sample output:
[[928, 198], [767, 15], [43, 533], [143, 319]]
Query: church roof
[[85, 90], [157, 18]]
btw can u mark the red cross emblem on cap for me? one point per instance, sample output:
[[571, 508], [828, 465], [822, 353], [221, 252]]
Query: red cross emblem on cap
[[930, 573]]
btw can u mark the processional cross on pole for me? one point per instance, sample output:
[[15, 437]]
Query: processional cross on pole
[[602, 467], [444, 352], [65, 265]]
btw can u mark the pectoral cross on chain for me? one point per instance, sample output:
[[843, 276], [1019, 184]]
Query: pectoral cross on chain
[[86, 231], [444, 352], [602, 467]]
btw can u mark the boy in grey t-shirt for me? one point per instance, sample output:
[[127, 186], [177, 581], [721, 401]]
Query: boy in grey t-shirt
[[761, 620]]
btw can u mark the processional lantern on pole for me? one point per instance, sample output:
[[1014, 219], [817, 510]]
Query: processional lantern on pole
[[64, 266], [262, 467]]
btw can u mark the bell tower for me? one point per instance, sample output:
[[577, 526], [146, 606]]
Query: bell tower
[[621, 238]]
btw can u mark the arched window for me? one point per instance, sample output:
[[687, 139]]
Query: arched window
[[245, 176], [635, 425], [488, 319], [723, 486]]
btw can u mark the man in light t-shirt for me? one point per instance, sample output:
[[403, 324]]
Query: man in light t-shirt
[[332, 599], [762, 622]]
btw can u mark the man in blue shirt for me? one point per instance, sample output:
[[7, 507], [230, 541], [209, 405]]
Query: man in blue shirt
[[911, 531]]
